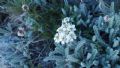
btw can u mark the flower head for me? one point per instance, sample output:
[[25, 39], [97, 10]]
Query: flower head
[[65, 33], [21, 32], [106, 18], [25, 7]]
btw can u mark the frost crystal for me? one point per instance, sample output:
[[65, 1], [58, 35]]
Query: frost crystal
[[65, 33]]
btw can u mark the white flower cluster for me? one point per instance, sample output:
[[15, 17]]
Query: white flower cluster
[[65, 33]]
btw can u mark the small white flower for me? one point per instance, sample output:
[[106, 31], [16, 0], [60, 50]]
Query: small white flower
[[25, 7], [63, 42], [72, 35], [21, 32], [61, 36], [67, 20], [60, 29], [72, 27], [106, 18], [56, 38], [66, 33]]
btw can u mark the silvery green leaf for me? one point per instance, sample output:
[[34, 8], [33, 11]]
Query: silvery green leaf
[[9, 27], [40, 2], [88, 21], [94, 54], [104, 7], [25, 66], [69, 65], [67, 51], [75, 8], [66, 2], [112, 7], [112, 54], [100, 22], [98, 37], [41, 29], [111, 23], [58, 58], [107, 66], [80, 44], [111, 34], [80, 22], [83, 64], [60, 64], [64, 12], [58, 50], [94, 38], [70, 58], [95, 62], [116, 43], [3, 31], [89, 55], [117, 66], [83, 9]]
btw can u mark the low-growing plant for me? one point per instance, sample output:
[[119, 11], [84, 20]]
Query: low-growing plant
[[99, 50], [88, 37]]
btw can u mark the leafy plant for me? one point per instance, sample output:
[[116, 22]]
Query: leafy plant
[[99, 50], [26, 35]]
